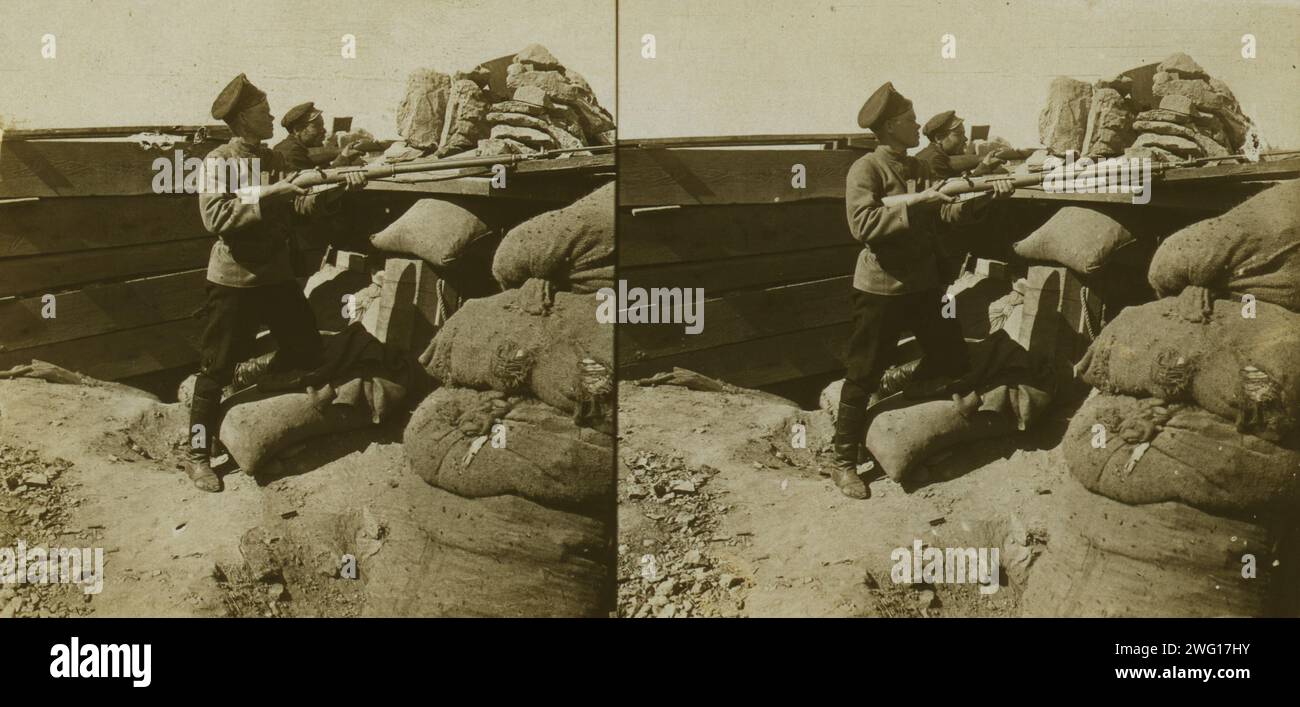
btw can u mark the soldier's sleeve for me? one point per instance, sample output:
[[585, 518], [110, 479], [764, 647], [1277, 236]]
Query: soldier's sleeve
[[870, 221], [222, 209]]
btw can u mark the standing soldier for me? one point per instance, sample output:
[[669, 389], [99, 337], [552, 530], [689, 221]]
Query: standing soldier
[[897, 283], [306, 127], [250, 278]]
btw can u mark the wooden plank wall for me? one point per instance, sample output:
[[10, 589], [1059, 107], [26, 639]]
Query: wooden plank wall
[[776, 277], [126, 267], [126, 274]]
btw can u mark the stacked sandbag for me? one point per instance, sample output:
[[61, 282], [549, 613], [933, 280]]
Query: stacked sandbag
[[572, 247], [255, 432], [1253, 249], [1083, 239], [1149, 450], [1240, 362], [484, 443], [530, 340], [439, 231], [1007, 395], [1108, 558]]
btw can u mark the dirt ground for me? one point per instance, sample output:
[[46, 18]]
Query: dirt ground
[[719, 515], [278, 545]]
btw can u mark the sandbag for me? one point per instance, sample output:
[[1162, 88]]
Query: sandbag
[[542, 455], [1080, 238], [1106, 558], [254, 432], [1003, 379], [572, 247], [1252, 249], [902, 439], [1149, 451], [1245, 369], [564, 356], [438, 231]]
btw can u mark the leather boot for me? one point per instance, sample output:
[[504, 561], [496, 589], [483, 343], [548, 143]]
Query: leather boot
[[204, 410], [850, 428]]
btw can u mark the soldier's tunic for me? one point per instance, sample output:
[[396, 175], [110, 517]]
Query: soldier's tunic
[[297, 155], [937, 161], [897, 282], [250, 276]]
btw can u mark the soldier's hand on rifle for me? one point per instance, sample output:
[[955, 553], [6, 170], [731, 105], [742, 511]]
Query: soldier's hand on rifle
[[1003, 188], [354, 181]]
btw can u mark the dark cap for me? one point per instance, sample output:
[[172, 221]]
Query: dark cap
[[941, 123], [299, 115], [884, 104], [239, 94]]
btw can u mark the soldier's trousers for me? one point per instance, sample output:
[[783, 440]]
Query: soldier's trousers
[[233, 317], [878, 323]]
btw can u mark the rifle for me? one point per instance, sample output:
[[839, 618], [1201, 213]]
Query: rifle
[[961, 186], [316, 177]]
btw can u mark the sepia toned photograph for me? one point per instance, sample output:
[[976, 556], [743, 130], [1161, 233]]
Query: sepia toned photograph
[[297, 313], [958, 309], [322, 319]]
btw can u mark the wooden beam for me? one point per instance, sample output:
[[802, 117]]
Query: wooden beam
[[101, 309], [743, 317], [122, 353], [691, 233], [57, 168], [1279, 169], [765, 270], [218, 131], [41, 274], [664, 177], [865, 141], [43, 226]]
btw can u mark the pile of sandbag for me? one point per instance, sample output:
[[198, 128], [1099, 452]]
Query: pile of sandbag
[[1187, 458], [1150, 450], [1168, 112], [527, 403], [1253, 249], [1007, 393], [532, 103], [533, 341], [485, 443], [572, 247], [1083, 239], [1240, 362], [1168, 559]]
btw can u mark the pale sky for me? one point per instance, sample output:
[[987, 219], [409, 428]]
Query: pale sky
[[805, 66], [121, 62]]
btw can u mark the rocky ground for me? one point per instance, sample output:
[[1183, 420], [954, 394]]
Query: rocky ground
[[720, 514], [85, 466]]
